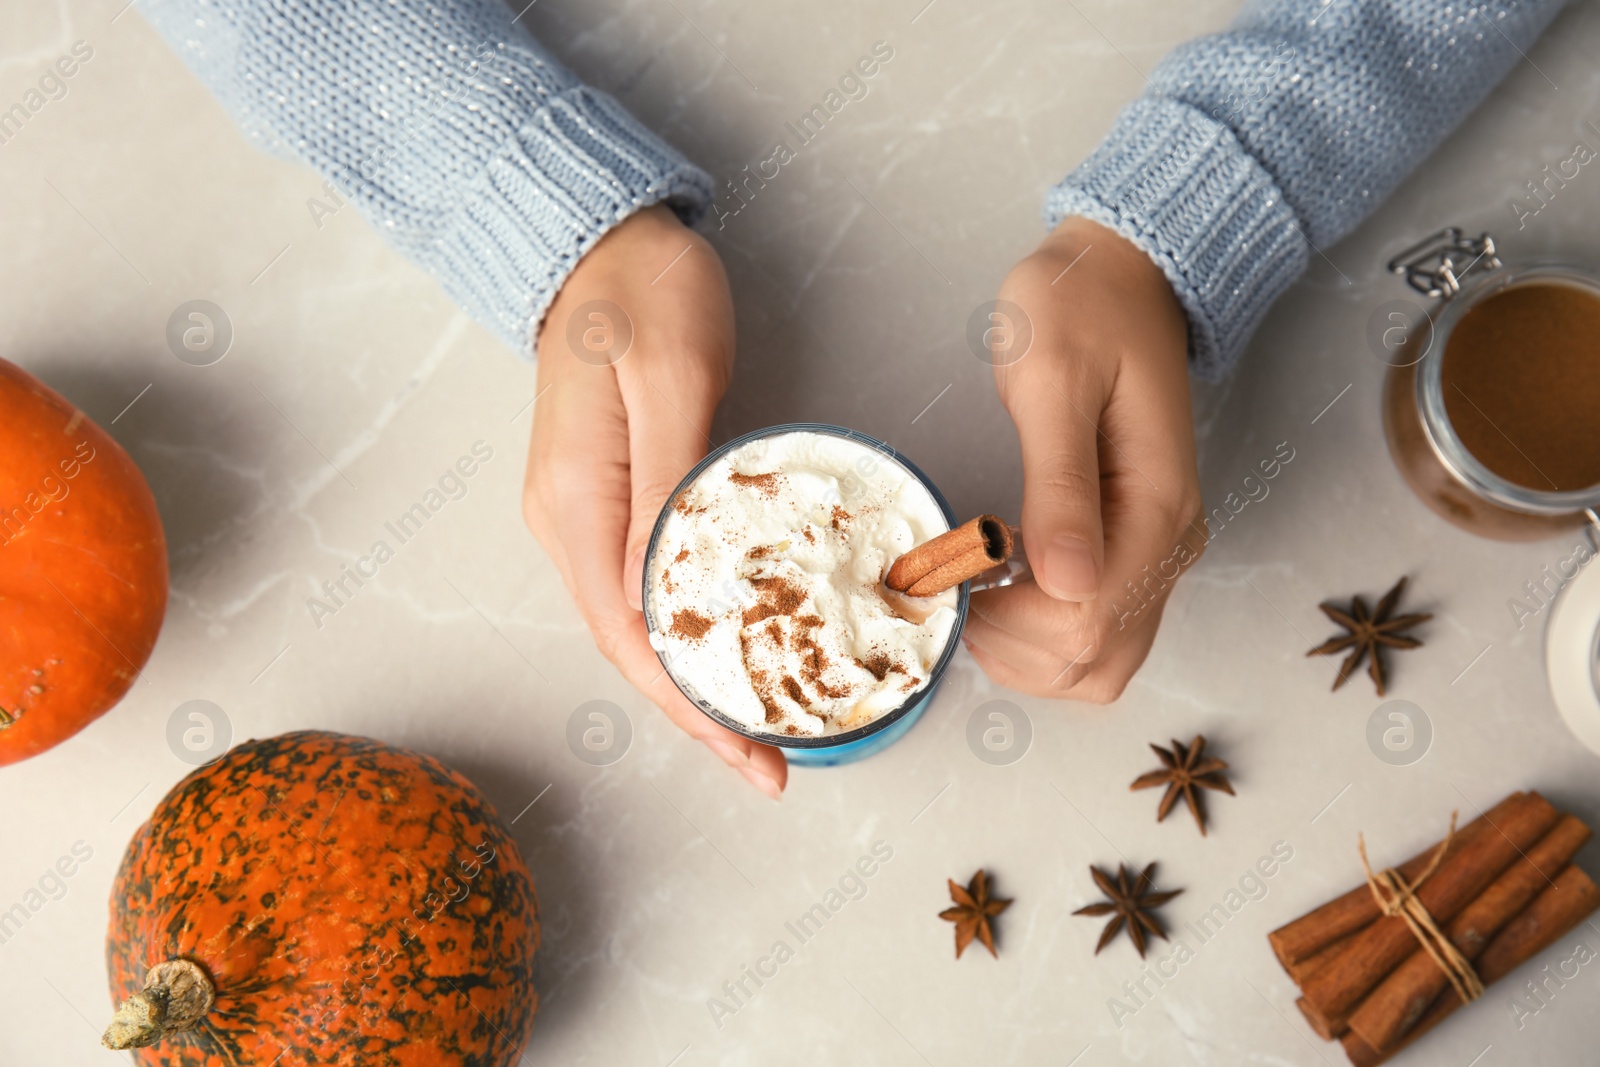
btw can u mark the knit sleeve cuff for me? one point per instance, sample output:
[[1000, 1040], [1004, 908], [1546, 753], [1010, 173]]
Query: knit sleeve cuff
[[578, 166], [1180, 186]]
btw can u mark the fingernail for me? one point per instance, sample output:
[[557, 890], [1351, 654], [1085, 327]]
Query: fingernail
[[731, 755], [1069, 571], [633, 580], [761, 782]]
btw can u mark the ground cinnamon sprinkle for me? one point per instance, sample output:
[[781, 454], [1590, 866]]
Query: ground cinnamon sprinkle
[[683, 554], [814, 661], [689, 624], [877, 665], [761, 682], [880, 665], [775, 593], [841, 517], [763, 689], [1521, 378], [780, 597], [776, 596], [765, 484]]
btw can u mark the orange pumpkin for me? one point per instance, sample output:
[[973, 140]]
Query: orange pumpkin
[[83, 568], [322, 899]]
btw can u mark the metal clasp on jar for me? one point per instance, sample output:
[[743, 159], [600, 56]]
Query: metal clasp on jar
[[1435, 265]]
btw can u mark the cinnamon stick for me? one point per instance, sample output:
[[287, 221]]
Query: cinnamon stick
[[1301, 970], [1354, 912], [951, 558], [1325, 1026], [1335, 990], [1553, 913], [1400, 1000], [1314, 932]]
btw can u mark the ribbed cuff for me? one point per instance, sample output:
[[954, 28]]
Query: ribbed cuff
[[580, 165], [1181, 187]]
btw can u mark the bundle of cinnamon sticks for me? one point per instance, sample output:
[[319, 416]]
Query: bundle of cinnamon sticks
[[1503, 889]]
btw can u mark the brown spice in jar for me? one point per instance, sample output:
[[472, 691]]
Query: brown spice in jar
[[1521, 377]]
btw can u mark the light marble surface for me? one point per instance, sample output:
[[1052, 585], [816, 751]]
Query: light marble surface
[[352, 384]]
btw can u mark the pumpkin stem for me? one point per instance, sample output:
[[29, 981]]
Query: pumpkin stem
[[176, 996]]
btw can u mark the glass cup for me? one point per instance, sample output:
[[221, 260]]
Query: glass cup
[[829, 749]]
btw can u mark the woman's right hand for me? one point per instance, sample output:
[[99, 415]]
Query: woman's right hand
[[1111, 507]]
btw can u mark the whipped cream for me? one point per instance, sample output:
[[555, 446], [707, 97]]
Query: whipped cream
[[765, 585]]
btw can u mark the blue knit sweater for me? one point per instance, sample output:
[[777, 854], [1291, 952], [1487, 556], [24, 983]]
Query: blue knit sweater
[[492, 166]]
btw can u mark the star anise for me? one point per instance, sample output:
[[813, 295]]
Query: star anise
[[1130, 903], [973, 911], [1185, 769], [1369, 634]]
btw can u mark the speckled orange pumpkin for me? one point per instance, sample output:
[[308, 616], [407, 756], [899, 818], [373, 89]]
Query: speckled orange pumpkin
[[83, 568], [322, 899]]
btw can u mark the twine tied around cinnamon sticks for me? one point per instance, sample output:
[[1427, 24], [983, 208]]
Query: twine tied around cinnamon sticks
[[1396, 896]]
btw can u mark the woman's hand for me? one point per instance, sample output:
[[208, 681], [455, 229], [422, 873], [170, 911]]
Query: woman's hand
[[1111, 508], [617, 425]]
